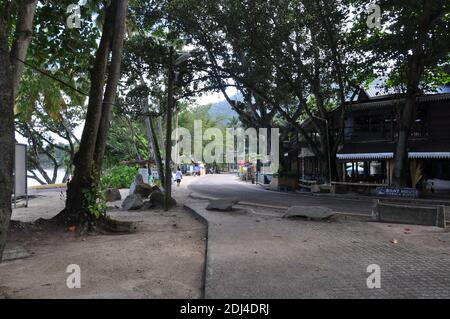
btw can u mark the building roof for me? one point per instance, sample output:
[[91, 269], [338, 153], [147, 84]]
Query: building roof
[[385, 150], [367, 102], [391, 100], [378, 88]]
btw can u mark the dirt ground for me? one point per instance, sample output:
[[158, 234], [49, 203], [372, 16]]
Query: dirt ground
[[164, 259]]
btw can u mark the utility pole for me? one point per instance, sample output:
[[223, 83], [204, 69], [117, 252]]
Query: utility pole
[[170, 105], [167, 168], [328, 145]]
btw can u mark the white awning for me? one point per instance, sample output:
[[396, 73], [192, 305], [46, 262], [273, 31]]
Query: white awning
[[365, 156], [390, 155], [429, 154]]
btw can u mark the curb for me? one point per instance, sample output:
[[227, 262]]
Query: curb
[[202, 197], [48, 186], [206, 223]]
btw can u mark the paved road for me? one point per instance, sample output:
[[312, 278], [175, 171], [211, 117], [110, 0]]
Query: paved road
[[227, 185], [258, 254]]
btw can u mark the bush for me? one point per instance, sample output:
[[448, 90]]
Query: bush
[[119, 177]]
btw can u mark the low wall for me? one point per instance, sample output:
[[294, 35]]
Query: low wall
[[404, 214]]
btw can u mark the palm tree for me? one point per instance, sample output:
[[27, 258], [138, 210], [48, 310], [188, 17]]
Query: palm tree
[[234, 122]]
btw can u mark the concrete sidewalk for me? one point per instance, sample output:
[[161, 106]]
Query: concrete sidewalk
[[258, 254]]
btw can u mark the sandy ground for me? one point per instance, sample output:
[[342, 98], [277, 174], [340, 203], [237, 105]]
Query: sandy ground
[[164, 259]]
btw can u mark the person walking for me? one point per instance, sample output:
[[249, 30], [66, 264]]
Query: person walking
[[178, 176]]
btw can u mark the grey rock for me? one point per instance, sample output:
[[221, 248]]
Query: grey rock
[[132, 202], [157, 199], [155, 188], [144, 190], [16, 253], [112, 195], [223, 204], [310, 212], [147, 205]]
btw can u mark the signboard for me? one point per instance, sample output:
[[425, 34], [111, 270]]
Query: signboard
[[155, 174], [20, 172], [397, 192]]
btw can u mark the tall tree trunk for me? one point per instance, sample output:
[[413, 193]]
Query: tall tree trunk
[[84, 160], [415, 68], [10, 74], [406, 121], [24, 29], [113, 80], [6, 137]]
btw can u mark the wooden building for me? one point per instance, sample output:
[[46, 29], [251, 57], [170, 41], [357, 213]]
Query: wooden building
[[367, 152], [371, 131]]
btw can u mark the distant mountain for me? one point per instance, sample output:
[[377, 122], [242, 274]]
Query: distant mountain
[[223, 109]]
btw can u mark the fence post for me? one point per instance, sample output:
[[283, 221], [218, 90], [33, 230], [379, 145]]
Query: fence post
[[440, 217], [375, 214]]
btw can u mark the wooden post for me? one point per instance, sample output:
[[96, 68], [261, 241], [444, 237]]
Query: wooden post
[[167, 168]]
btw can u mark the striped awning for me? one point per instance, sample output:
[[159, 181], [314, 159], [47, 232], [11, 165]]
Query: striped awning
[[429, 154], [390, 155], [360, 156]]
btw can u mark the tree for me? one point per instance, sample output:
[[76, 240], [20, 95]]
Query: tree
[[46, 111], [102, 96], [50, 102], [145, 64], [412, 49], [294, 62], [20, 32]]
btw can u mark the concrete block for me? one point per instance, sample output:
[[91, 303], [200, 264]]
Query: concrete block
[[407, 214]]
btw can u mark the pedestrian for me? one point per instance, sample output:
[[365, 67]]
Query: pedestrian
[[178, 176]]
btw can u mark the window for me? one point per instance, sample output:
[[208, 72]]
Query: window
[[419, 128]]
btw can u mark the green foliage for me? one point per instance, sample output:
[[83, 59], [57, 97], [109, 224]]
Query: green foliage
[[94, 200], [119, 177], [410, 33], [126, 141]]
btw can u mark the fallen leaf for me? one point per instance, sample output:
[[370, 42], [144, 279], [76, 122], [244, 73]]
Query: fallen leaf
[[72, 228]]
